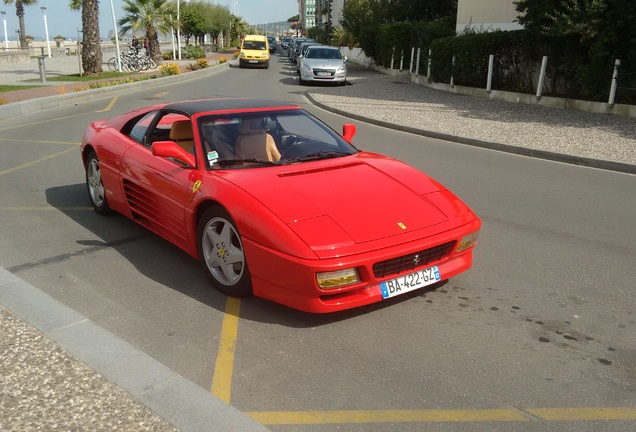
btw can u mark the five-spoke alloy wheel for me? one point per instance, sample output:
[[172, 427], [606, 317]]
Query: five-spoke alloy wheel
[[222, 254]]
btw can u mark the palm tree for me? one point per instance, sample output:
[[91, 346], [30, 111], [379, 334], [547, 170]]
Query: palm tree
[[149, 16], [91, 48], [19, 11]]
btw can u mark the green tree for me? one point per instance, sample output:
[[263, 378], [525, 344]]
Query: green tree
[[91, 48], [218, 18], [193, 22], [19, 11], [146, 15], [605, 31], [564, 17]]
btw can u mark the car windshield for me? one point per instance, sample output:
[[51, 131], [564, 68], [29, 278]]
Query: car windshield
[[266, 138], [254, 45], [323, 53]]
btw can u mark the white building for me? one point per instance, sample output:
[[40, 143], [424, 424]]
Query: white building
[[487, 15]]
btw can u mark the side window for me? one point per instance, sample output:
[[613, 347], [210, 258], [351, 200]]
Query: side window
[[137, 127], [161, 132]]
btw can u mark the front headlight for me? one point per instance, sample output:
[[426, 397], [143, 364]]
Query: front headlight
[[342, 68], [304, 66], [337, 279], [467, 241], [242, 54]]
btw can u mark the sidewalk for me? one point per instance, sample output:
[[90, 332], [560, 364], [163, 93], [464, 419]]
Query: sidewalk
[[23, 74]]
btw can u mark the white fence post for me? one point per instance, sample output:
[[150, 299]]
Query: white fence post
[[428, 66], [417, 64], [491, 62], [392, 58], [402, 61], [544, 65], [411, 64], [612, 95], [452, 81]]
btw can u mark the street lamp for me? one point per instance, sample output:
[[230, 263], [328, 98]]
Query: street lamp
[[179, 28], [174, 55], [46, 30], [4, 21], [112, 10]]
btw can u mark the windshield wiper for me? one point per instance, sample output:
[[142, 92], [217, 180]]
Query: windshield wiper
[[239, 161], [317, 156]]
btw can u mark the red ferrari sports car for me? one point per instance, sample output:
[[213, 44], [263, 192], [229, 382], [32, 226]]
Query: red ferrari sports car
[[276, 204]]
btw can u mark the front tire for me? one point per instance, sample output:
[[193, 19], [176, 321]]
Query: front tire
[[95, 186], [221, 253]]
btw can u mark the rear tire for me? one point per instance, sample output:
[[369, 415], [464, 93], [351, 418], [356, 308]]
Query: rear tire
[[95, 186]]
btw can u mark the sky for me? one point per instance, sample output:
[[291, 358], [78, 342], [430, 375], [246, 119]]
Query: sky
[[60, 20]]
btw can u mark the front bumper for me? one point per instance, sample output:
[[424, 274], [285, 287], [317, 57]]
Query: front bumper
[[314, 75], [292, 281]]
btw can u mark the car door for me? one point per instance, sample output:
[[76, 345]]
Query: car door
[[155, 188]]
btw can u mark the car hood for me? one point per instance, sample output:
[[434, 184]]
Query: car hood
[[346, 201], [324, 63]]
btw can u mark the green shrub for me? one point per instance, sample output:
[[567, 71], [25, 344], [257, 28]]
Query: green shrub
[[193, 52]]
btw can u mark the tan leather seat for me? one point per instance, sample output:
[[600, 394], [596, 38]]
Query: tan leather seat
[[254, 141], [181, 133]]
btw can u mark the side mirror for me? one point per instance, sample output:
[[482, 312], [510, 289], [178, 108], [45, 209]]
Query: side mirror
[[171, 149], [348, 131], [344, 58]]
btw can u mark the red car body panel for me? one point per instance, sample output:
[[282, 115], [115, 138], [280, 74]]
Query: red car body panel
[[294, 220]]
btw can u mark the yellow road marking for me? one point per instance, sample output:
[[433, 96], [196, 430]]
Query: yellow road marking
[[423, 416], [10, 170], [39, 141], [110, 105], [43, 121], [222, 379], [46, 208], [161, 94], [598, 413], [384, 416]]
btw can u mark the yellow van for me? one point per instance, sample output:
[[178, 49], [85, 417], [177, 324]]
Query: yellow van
[[254, 51]]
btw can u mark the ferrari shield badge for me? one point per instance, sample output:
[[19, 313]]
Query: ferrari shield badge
[[195, 186]]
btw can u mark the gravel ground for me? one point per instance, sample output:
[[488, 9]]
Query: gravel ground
[[396, 100], [43, 388]]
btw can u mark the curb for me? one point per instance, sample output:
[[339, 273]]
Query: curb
[[177, 400], [17, 109], [507, 148]]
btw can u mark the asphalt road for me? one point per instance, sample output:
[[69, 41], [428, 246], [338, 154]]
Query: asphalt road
[[543, 325]]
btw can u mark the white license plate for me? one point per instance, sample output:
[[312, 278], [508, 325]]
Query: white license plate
[[324, 74], [253, 61], [410, 282]]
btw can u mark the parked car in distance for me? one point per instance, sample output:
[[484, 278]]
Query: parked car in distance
[[303, 50], [297, 45], [284, 42], [271, 40], [254, 51], [322, 63], [273, 202], [291, 52]]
